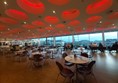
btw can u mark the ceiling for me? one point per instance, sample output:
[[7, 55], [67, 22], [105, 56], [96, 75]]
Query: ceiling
[[22, 19]]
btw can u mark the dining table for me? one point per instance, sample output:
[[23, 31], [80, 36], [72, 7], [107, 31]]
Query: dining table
[[77, 60]]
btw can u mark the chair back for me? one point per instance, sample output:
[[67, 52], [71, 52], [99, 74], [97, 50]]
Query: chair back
[[64, 55], [37, 57], [90, 65], [84, 55], [59, 66]]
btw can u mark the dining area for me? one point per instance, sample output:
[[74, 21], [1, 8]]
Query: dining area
[[66, 66]]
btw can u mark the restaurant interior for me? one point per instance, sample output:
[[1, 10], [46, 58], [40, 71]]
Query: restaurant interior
[[58, 41]]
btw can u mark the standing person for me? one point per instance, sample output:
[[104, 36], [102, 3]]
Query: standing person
[[101, 47], [71, 46]]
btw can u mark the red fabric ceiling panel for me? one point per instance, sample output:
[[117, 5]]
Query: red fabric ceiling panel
[[105, 24], [31, 6], [78, 29], [51, 19], [98, 6], [113, 15], [38, 23], [8, 20], [74, 23], [59, 2], [13, 31], [16, 14], [41, 30], [2, 27], [70, 14], [93, 19], [60, 26], [49, 28], [28, 26]]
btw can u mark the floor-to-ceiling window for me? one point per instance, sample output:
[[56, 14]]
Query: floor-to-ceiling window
[[50, 41], [110, 38], [67, 39], [84, 40], [76, 41], [42, 41], [96, 38], [58, 41]]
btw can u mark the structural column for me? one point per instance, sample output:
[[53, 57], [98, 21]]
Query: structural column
[[103, 39], [54, 41]]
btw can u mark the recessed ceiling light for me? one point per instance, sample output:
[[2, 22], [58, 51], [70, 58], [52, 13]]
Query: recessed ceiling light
[[50, 25], [25, 22], [5, 2], [100, 21], [54, 12], [8, 29], [113, 24], [28, 30]]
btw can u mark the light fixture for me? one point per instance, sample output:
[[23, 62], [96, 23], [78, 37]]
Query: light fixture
[[54, 12], [8, 28], [113, 24], [5, 2], [100, 21], [25, 22], [50, 25]]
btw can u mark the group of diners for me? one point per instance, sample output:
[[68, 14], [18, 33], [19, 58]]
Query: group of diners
[[102, 48]]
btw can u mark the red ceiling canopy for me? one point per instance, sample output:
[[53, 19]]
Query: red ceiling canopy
[[2, 27], [51, 19], [38, 23], [74, 23], [28, 26], [70, 14], [59, 2], [49, 28], [113, 15], [16, 14], [8, 20], [41, 30], [60, 26], [31, 6], [106, 24], [93, 19], [98, 6]]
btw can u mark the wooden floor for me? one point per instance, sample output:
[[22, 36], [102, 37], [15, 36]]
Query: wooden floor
[[105, 70]]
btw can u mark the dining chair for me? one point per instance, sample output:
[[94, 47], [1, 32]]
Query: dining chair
[[87, 70], [65, 72], [66, 62], [38, 60], [84, 55]]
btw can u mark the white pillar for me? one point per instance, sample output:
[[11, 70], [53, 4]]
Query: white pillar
[[117, 36], [103, 39], [73, 40], [54, 41]]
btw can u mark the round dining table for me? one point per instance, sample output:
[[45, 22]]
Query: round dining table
[[77, 60]]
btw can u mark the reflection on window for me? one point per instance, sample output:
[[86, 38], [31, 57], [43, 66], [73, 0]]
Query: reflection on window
[[110, 38]]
